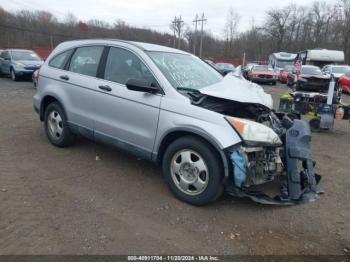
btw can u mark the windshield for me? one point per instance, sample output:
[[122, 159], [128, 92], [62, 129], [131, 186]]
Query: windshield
[[225, 66], [311, 71], [25, 55], [340, 69], [185, 71], [261, 68], [283, 63]]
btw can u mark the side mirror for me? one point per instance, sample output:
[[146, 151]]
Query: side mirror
[[142, 86]]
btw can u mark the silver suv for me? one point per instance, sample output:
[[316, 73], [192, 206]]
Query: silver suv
[[208, 132]]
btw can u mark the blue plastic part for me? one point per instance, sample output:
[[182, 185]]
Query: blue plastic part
[[239, 168]]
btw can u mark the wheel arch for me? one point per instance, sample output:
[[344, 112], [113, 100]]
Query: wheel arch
[[48, 99], [173, 135]]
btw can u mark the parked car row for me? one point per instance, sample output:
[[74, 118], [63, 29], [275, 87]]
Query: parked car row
[[19, 63]]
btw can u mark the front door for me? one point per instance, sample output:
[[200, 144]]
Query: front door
[[128, 119]]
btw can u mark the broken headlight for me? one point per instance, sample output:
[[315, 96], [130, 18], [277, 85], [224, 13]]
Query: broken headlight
[[254, 133]]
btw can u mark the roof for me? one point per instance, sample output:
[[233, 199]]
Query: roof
[[325, 55], [285, 56], [140, 45], [16, 49]]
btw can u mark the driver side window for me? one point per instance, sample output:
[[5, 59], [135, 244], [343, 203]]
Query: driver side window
[[122, 65]]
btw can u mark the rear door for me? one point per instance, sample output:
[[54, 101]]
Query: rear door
[[75, 83], [128, 119]]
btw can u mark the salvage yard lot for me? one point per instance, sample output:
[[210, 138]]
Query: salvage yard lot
[[93, 199]]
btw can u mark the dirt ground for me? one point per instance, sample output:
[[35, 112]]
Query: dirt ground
[[64, 201]]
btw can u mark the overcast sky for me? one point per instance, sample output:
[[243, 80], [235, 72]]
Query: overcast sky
[[156, 14]]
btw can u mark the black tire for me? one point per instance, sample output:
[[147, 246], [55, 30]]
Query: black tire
[[274, 83], [315, 125], [66, 137], [214, 188], [13, 75]]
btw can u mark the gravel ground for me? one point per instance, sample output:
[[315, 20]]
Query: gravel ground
[[67, 201]]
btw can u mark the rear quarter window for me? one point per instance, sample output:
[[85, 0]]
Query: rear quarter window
[[60, 60]]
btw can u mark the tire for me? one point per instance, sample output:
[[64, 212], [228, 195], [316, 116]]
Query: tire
[[202, 181], [56, 127], [13, 75], [274, 83]]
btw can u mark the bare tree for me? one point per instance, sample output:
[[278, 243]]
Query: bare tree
[[230, 30], [277, 24]]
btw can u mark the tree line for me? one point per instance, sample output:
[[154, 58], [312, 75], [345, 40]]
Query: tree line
[[291, 28]]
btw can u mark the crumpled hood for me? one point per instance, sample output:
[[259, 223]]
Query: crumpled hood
[[238, 89], [338, 75], [315, 76]]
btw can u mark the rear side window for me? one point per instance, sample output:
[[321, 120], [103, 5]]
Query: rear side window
[[86, 59], [60, 60]]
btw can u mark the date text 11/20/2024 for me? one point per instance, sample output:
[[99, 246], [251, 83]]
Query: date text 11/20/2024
[[173, 258]]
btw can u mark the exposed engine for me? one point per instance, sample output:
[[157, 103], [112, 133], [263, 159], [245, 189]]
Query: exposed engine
[[263, 165]]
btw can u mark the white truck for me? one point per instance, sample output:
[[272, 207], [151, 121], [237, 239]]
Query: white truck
[[281, 59]]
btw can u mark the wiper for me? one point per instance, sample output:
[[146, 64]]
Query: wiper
[[192, 90]]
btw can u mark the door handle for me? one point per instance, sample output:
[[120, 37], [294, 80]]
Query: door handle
[[64, 77], [105, 88]]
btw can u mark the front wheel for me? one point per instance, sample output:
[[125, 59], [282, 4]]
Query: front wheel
[[193, 171], [56, 126], [13, 75]]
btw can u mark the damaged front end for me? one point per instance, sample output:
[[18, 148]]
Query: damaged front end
[[289, 168], [273, 164]]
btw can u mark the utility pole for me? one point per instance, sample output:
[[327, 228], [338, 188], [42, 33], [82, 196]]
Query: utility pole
[[195, 21], [174, 22], [243, 62], [180, 23], [202, 20], [177, 26]]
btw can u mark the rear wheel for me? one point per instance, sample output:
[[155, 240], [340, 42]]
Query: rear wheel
[[56, 126], [193, 171]]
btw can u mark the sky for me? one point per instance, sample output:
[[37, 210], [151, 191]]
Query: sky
[[157, 14]]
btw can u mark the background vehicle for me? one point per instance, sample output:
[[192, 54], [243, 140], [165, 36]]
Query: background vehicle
[[225, 68], [336, 70], [281, 59], [320, 57], [19, 63], [262, 74], [344, 82], [284, 73], [310, 79], [247, 68], [170, 107]]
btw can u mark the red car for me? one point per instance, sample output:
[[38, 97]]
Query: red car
[[262, 74], [344, 82], [284, 73]]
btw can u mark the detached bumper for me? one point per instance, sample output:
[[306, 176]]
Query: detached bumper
[[301, 183]]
